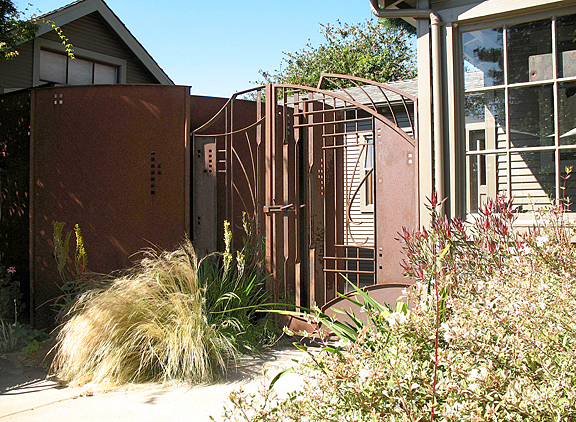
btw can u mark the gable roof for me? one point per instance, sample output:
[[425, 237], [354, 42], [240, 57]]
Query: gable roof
[[81, 8]]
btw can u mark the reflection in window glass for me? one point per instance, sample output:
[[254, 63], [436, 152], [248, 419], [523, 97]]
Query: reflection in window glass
[[531, 116], [473, 183], [530, 51], [533, 178], [540, 117], [566, 40], [486, 106], [567, 113], [568, 186], [484, 59], [486, 176]]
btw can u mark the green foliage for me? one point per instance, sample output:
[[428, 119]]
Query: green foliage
[[375, 50], [486, 340], [14, 337], [171, 317], [234, 286], [15, 29], [73, 273]]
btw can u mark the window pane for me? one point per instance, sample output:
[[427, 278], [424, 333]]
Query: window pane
[[530, 51], [566, 38], [483, 58], [79, 72], [482, 107], [52, 67], [531, 116], [533, 178], [567, 113], [568, 186], [104, 74], [487, 174]]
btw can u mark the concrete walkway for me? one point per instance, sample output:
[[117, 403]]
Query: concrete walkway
[[25, 394]]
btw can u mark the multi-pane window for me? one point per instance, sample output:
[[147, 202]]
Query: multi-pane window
[[62, 69], [520, 112]]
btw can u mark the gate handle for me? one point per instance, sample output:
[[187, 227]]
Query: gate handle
[[269, 209]]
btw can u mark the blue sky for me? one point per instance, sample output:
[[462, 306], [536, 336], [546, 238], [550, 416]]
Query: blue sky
[[218, 46]]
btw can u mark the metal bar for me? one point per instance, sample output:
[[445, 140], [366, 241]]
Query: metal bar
[[347, 146], [298, 217], [330, 270], [408, 114], [231, 214], [268, 180], [334, 109], [366, 81], [222, 111], [259, 173], [231, 132]]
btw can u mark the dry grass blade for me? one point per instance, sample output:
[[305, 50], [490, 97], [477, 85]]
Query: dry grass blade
[[149, 324]]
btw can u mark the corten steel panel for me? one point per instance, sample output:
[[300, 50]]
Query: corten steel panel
[[236, 164], [396, 199], [203, 109], [113, 159], [316, 222]]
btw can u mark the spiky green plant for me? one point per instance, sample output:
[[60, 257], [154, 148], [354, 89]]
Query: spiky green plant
[[234, 290]]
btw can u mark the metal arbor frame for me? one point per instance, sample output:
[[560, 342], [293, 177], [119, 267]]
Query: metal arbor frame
[[299, 161]]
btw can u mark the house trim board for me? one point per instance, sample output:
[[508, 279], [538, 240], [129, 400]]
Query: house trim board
[[425, 151]]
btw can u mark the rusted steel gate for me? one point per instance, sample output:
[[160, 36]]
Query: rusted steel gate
[[328, 177]]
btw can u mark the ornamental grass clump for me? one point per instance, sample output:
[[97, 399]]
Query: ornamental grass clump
[[171, 317], [490, 334]]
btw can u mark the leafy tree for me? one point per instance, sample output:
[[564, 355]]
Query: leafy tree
[[377, 50], [14, 29]]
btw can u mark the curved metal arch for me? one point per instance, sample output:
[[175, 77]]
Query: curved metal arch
[[355, 103], [215, 118], [329, 77], [326, 76]]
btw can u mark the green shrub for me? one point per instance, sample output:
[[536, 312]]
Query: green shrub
[[171, 317], [14, 337], [75, 277], [491, 335]]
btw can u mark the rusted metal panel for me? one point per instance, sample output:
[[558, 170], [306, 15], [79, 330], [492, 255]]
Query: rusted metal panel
[[396, 206], [112, 159], [238, 150], [316, 205], [204, 192], [289, 175]]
